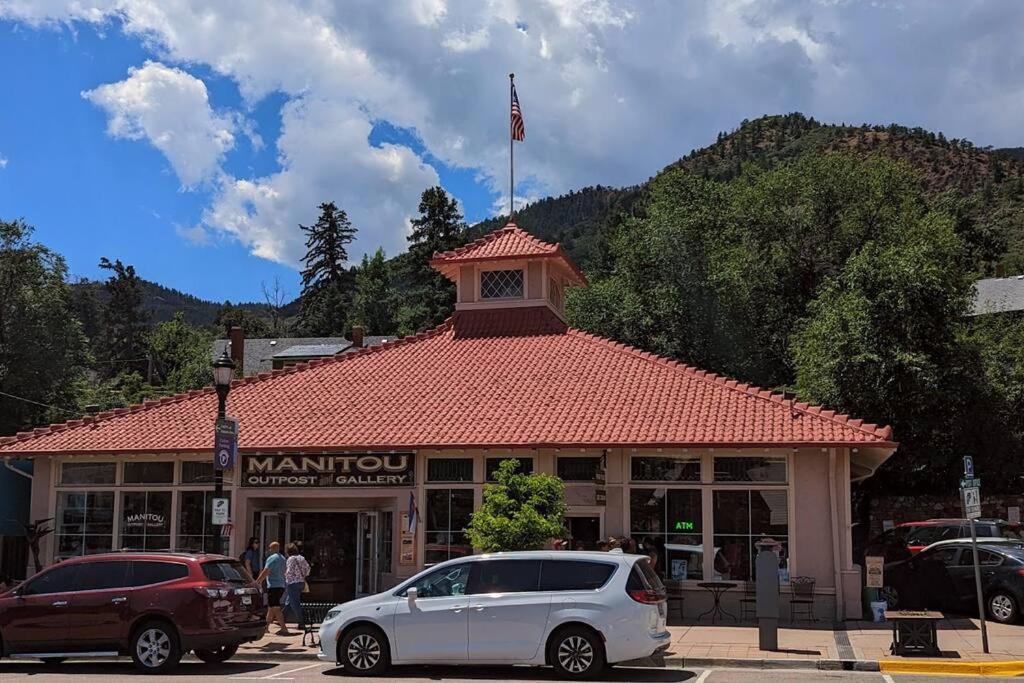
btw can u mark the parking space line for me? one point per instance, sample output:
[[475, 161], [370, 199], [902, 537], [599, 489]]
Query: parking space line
[[703, 676], [301, 668], [277, 676]]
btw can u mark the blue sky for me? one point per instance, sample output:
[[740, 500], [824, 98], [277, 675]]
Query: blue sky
[[190, 139]]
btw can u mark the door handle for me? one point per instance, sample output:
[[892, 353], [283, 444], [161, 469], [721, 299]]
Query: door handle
[[118, 601], [479, 608], [61, 603]]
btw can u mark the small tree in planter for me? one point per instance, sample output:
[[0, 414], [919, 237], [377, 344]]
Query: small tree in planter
[[519, 511]]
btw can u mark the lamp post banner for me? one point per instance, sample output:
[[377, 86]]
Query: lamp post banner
[[348, 470], [225, 444]]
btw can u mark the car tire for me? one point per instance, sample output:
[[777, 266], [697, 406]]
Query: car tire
[[576, 653], [1002, 607], [217, 655], [154, 647], [364, 651]]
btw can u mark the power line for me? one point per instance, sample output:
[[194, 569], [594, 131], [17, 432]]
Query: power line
[[44, 405]]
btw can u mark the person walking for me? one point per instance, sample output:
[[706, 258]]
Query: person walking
[[295, 573], [250, 557], [273, 572]]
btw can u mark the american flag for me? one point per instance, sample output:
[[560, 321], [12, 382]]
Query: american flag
[[518, 127]]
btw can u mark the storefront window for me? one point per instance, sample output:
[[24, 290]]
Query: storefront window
[[195, 531], [670, 522], [744, 469], [142, 472], [448, 512], [449, 469], [146, 520], [85, 523], [685, 468], [386, 542], [196, 472], [578, 469], [741, 519], [525, 466], [78, 473]]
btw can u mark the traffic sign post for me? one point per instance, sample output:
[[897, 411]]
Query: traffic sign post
[[970, 496]]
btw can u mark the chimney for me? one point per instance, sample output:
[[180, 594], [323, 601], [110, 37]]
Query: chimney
[[357, 336], [1000, 270], [238, 349]]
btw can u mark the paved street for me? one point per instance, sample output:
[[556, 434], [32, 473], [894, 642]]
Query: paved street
[[297, 671]]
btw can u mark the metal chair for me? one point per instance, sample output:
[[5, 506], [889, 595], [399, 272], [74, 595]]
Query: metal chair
[[748, 603], [802, 588]]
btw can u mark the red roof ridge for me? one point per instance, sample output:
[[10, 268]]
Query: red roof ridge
[[884, 433], [509, 227], [149, 403]]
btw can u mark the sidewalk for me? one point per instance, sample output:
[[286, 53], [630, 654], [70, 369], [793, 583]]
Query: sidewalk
[[857, 645]]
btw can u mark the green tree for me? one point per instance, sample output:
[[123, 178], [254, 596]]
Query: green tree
[[429, 296], [42, 349], [885, 341], [326, 283], [122, 345], [230, 315], [372, 305], [519, 511], [181, 354]]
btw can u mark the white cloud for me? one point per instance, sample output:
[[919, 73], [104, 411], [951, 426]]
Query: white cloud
[[611, 90], [171, 109], [3, 161]]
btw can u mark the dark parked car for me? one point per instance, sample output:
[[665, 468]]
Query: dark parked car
[[909, 538], [152, 606], [942, 577]]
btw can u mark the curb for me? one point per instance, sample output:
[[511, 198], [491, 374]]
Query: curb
[[1009, 668], [804, 664]]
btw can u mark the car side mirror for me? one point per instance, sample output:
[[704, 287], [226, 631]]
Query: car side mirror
[[410, 595]]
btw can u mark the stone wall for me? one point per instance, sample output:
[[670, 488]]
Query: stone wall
[[915, 508]]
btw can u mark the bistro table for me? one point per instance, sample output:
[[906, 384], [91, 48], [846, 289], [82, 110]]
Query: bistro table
[[717, 589]]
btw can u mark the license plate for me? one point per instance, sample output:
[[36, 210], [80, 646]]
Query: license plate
[[246, 599]]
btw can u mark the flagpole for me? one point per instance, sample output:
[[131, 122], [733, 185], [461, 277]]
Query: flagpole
[[511, 154]]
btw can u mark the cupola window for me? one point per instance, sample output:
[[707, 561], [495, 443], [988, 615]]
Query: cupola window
[[501, 284]]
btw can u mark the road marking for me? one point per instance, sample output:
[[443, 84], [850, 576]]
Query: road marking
[[703, 676], [887, 678], [276, 676]]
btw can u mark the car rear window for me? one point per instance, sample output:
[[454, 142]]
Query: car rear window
[[147, 572], [102, 575], [229, 571], [574, 575], [643, 577]]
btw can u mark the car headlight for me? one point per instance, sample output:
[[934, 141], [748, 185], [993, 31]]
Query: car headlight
[[334, 613]]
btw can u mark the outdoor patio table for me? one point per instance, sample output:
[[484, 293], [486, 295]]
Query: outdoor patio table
[[717, 589]]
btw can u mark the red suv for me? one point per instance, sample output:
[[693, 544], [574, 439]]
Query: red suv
[[153, 606]]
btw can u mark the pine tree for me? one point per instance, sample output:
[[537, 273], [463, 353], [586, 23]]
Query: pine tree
[[430, 295], [122, 346], [372, 306], [326, 283]]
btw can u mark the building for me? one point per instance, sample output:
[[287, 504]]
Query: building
[[256, 355], [998, 295], [336, 452]]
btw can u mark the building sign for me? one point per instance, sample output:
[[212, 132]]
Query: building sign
[[328, 470], [135, 523], [875, 565]]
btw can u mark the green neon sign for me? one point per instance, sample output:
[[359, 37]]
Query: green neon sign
[[685, 526]]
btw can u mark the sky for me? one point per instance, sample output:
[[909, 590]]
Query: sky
[[191, 139]]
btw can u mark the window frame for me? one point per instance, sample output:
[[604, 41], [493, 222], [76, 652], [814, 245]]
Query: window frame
[[480, 283]]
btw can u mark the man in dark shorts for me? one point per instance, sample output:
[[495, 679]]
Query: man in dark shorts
[[273, 572]]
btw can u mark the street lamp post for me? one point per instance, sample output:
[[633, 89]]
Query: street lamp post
[[223, 373]]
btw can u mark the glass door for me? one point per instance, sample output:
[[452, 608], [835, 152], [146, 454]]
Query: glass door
[[366, 554], [274, 526]]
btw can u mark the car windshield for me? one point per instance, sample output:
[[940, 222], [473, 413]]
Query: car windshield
[[444, 582], [228, 571]]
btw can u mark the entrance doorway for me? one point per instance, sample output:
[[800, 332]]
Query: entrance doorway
[[584, 531]]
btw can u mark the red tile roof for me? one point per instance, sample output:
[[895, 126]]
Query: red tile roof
[[509, 242], [493, 378]]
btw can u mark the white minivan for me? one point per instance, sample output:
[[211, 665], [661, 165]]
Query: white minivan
[[576, 611]]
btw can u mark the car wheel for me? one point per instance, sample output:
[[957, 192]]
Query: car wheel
[[890, 595], [217, 655], [576, 653], [364, 652], [155, 647], [1002, 607]]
